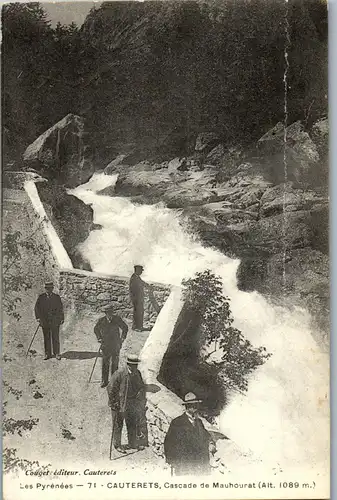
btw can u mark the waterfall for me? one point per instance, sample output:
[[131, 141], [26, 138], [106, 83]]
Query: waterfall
[[284, 417]]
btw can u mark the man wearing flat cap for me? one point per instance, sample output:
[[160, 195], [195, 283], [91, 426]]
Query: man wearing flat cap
[[188, 444], [110, 331], [136, 288], [49, 313], [126, 392]]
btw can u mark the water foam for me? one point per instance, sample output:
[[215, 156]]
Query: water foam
[[284, 417]]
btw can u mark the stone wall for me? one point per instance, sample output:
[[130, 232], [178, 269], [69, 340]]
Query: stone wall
[[97, 290], [78, 287], [162, 407], [53, 254]]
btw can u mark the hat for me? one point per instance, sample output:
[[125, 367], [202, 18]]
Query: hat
[[48, 284], [191, 398], [138, 266], [132, 359], [108, 308]]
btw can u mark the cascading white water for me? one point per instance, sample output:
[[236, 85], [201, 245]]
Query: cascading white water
[[284, 417]]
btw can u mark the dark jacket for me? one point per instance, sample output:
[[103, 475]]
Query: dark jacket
[[49, 310], [186, 446], [136, 287], [108, 332], [119, 389]]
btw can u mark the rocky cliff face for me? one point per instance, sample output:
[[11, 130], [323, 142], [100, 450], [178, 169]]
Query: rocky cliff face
[[267, 205], [59, 153], [71, 218]]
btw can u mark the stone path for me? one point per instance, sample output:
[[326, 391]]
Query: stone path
[[74, 421]]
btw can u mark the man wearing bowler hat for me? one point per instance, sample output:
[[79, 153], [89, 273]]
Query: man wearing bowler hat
[[111, 332], [136, 288], [188, 444], [49, 313], [126, 392]]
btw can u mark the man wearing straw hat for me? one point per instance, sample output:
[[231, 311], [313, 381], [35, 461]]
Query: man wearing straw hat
[[49, 314], [107, 331], [187, 444], [126, 392]]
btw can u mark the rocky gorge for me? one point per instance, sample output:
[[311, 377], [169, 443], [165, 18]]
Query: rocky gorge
[[266, 205]]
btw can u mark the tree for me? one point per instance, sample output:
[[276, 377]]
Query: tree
[[238, 358], [207, 354]]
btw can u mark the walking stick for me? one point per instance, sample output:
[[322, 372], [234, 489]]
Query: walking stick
[[93, 368], [31, 343], [112, 434]]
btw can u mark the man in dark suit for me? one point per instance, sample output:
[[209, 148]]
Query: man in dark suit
[[136, 288], [107, 331], [49, 313], [187, 444], [126, 392]]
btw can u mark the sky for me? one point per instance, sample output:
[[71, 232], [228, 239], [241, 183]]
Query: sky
[[68, 12]]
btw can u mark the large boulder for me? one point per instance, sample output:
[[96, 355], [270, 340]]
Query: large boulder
[[296, 138], [135, 182], [59, 153], [296, 159]]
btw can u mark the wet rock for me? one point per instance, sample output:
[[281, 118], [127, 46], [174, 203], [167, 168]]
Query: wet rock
[[111, 167], [37, 395], [146, 181], [66, 213], [177, 164], [79, 262], [216, 155], [59, 153]]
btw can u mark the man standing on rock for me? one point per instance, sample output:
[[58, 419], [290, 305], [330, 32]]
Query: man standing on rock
[[188, 444], [136, 287], [126, 392], [49, 313], [107, 331]]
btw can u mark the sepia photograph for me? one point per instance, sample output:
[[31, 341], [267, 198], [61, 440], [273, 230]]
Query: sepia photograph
[[165, 250]]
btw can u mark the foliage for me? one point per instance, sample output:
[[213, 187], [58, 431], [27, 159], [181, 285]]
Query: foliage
[[15, 279], [13, 391], [38, 66], [11, 426], [14, 282], [204, 295]]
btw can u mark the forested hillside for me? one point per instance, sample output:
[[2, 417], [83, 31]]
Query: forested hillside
[[149, 76]]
